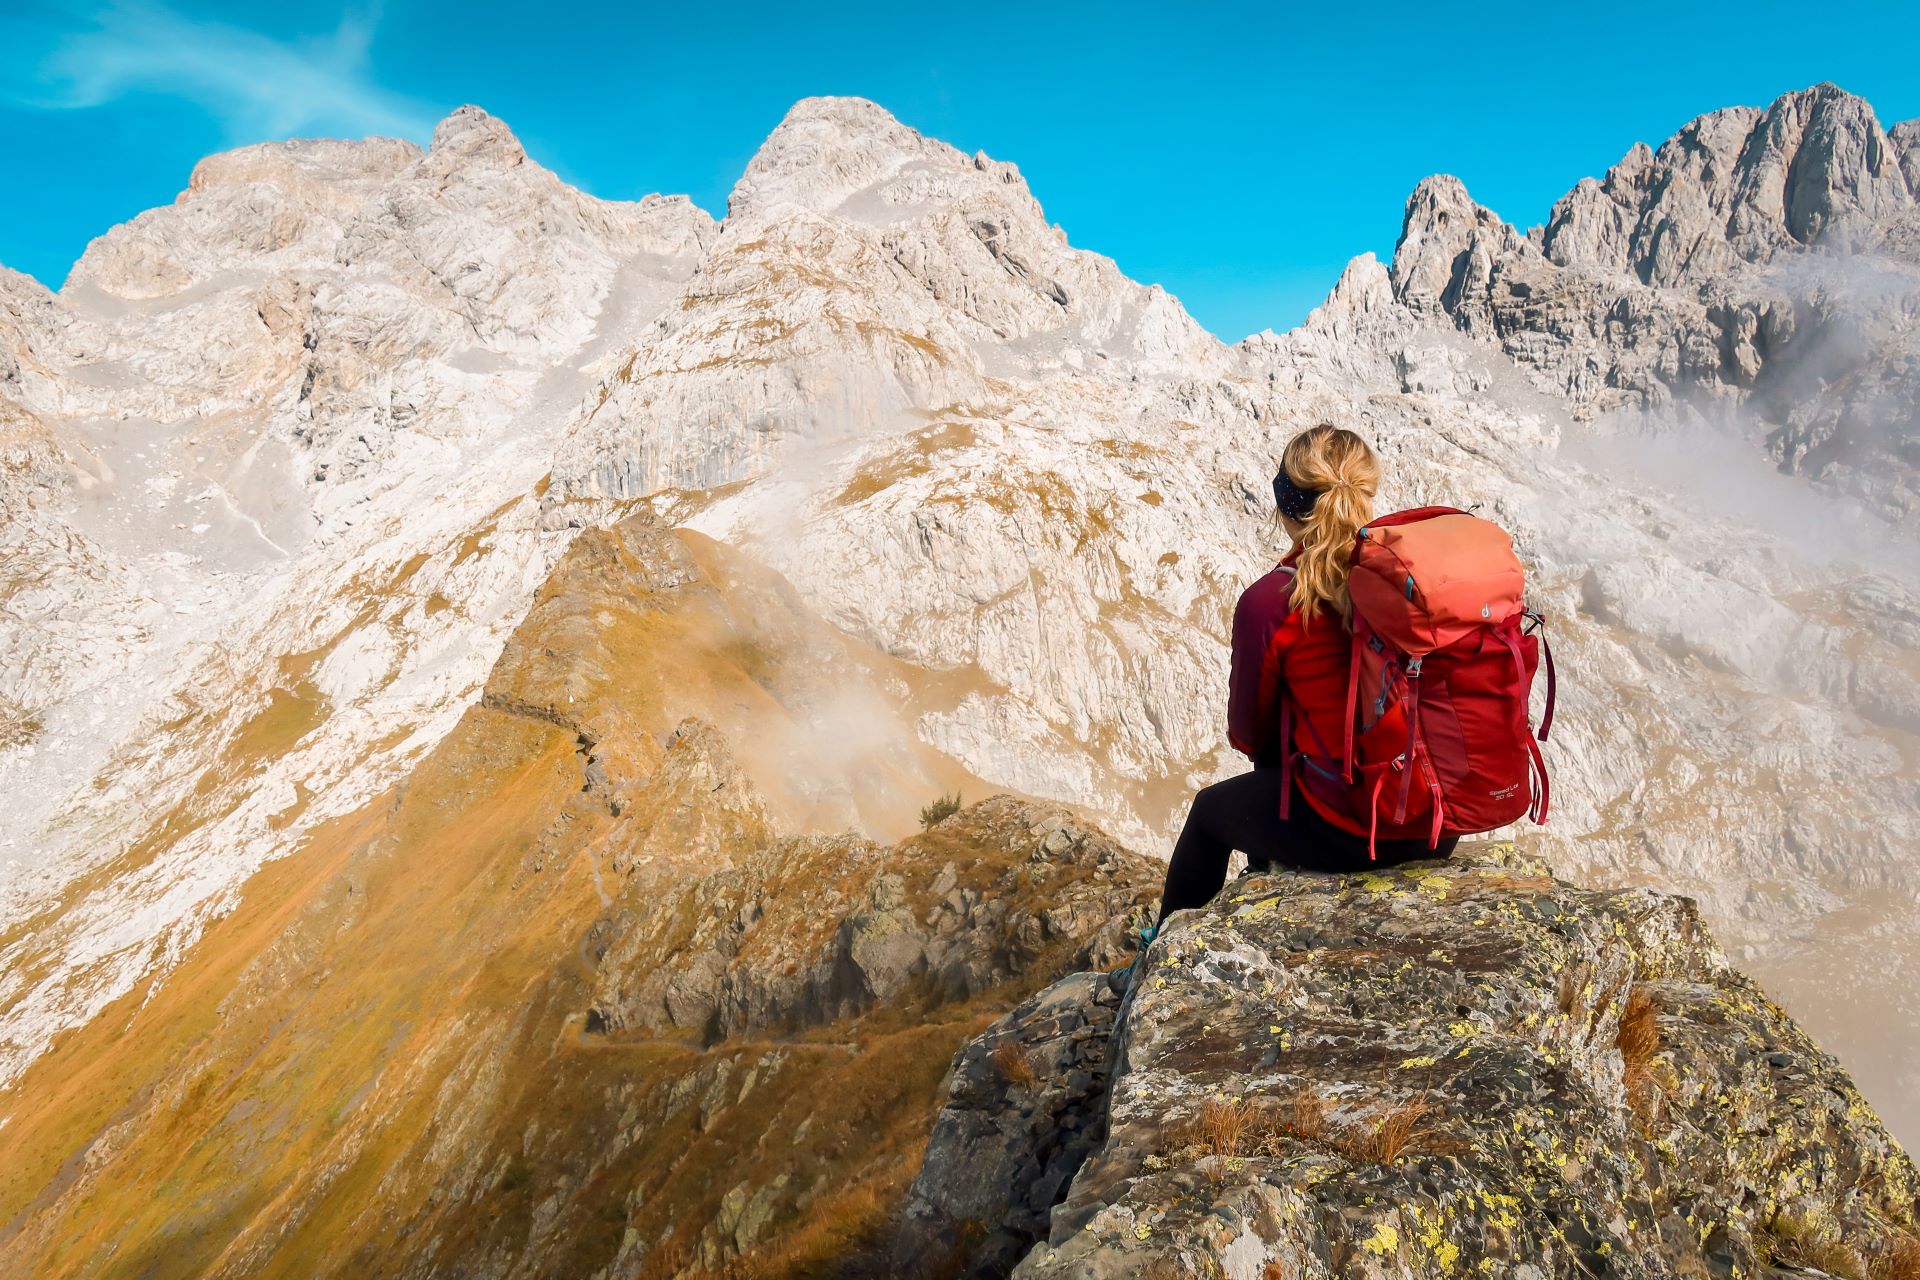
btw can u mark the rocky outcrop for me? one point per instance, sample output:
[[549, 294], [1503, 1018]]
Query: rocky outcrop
[[1026, 1103], [1457, 1068], [811, 931]]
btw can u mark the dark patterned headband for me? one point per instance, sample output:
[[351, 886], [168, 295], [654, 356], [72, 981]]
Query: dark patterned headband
[[1294, 502]]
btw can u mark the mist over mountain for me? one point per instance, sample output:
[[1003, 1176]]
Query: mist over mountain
[[287, 469]]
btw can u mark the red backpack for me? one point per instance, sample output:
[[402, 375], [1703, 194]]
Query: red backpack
[[1444, 652]]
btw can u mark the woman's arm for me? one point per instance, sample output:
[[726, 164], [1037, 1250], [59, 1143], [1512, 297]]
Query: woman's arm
[[1253, 685]]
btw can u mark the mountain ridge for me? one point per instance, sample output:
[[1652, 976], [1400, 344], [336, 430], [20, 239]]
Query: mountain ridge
[[539, 1005], [573, 999]]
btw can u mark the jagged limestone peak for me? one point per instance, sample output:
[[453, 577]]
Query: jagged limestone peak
[[1736, 185], [1442, 229], [825, 150], [851, 159]]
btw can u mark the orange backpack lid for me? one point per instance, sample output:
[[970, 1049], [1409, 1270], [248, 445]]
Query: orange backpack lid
[[1426, 578]]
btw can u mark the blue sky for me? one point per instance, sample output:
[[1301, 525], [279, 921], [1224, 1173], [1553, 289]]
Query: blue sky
[[1238, 155]]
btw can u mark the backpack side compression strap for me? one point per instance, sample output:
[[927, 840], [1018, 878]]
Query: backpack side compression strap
[[1536, 762]]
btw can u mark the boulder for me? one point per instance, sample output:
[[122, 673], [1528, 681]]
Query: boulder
[[1464, 1067]]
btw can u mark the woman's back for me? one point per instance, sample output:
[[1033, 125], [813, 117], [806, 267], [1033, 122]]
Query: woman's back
[[1291, 659]]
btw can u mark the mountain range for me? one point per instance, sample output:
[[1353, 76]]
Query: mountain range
[[380, 515]]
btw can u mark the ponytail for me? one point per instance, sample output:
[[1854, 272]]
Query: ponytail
[[1342, 471]]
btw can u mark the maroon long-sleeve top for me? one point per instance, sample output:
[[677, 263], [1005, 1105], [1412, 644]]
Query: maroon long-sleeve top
[[1276, 650]]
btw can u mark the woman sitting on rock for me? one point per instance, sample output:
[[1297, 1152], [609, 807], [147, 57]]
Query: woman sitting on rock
[[1292, 640]]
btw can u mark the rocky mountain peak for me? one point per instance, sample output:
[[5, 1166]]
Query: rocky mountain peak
[[1737, 185], [1445, 234], [279, 201], [848, 115], [1834, 171], [1364, 287], [827, 149], [471, 135], [1752, 269]]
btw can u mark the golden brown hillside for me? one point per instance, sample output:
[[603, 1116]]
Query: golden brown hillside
[[568, 1002]]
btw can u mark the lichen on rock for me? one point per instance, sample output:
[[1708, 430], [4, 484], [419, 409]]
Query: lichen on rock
[[1450, 1068]]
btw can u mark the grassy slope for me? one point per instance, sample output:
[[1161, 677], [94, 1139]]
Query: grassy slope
[[375, 1063]]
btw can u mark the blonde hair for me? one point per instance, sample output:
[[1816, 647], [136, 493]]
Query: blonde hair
[[1339, 465]]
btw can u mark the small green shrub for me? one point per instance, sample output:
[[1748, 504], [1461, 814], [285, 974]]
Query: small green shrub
[[940, 810], [517, 1177]]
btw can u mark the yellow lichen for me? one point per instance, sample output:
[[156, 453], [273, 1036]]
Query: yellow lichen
[[1383, 1241]]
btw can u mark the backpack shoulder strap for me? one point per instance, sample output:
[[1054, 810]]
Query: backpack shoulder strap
[[1353, 692]]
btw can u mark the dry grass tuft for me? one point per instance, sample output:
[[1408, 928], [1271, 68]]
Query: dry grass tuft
[[1639, 1037], [1247, 1127], [1308, 1118], [1639, 1042], [666, 1260], [1394, 1132], [18, 725], [1510, 881], [1223, 1127], [1015, 1067], [1830, 1256], [1813, 1239], [1898, 1261]]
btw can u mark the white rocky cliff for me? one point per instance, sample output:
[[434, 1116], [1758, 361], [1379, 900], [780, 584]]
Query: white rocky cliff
[[284, 462]]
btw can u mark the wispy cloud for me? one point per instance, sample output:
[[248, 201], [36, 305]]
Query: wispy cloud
[[256, 86]]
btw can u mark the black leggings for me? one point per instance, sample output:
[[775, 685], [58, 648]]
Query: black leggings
[[1244, 813]]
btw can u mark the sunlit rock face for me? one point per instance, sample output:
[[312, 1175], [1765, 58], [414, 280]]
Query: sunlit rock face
[[285, 463]]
